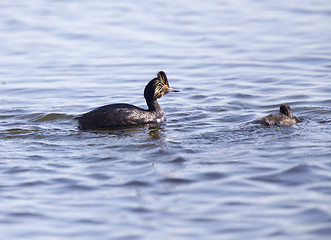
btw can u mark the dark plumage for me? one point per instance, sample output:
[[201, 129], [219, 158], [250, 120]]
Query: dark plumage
[[284, 117], [122, 114]]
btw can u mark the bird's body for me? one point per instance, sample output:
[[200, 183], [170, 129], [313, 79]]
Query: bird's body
[[284, 117], [120, 114]]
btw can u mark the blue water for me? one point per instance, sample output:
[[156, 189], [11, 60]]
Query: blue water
[[211, 171]]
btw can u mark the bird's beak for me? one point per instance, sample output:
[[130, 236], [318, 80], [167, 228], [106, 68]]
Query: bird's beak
[[169, 89]]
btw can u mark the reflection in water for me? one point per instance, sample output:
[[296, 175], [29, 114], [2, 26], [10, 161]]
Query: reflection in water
[[156, 131]]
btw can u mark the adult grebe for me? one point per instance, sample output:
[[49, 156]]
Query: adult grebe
[[122, 114]]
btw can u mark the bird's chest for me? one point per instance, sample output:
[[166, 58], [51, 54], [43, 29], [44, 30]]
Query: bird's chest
[[161, 118]]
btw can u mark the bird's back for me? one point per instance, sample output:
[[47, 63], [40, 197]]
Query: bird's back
[[278, 119], [116, 115]]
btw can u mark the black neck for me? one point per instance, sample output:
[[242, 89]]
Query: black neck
[[153, 106]]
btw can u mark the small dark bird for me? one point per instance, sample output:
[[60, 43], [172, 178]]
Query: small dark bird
[[284, 117], [122, 114]]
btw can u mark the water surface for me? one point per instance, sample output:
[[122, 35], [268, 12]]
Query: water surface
[[210, 171]]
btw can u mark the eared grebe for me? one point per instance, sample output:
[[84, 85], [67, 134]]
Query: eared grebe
[[122, 114], [284, 117]]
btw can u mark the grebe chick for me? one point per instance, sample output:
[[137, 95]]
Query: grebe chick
[[122, 114], [284, 117]]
